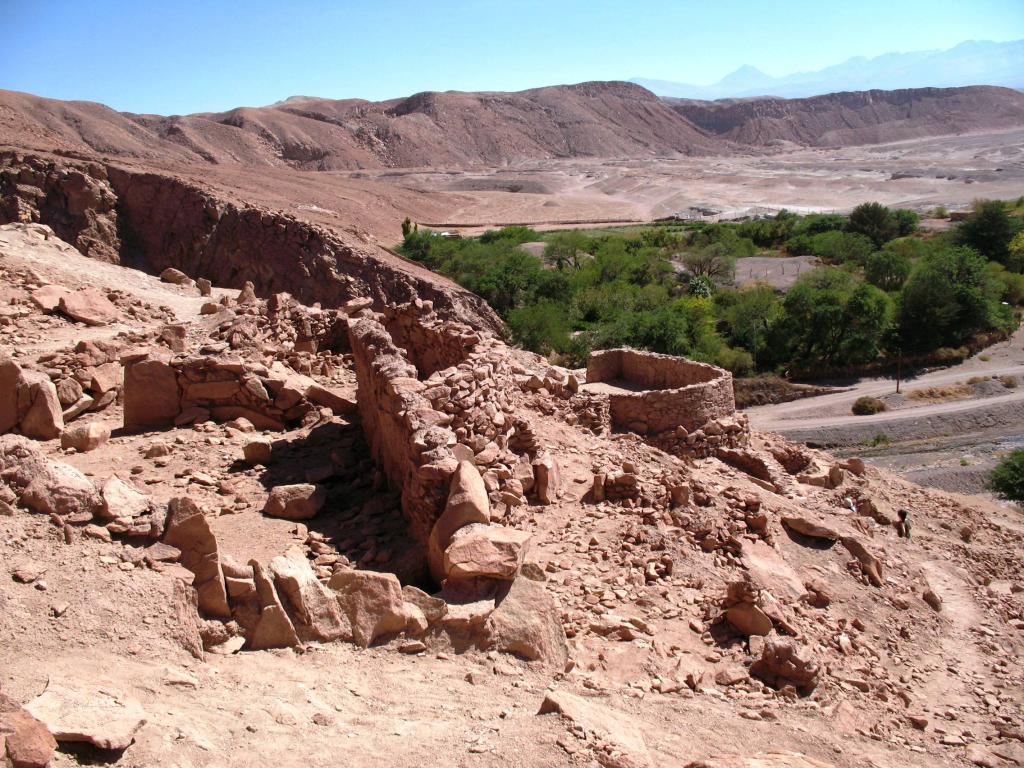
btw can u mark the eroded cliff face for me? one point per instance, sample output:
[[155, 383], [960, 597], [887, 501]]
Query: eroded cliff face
[[153, 221]]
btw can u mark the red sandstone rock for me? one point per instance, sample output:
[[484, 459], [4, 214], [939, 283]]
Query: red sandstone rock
[[615, 727], [41, 417], [48, 297], [371, 601], [84, 437], [29, 744], [95, 717], [467, 503], [479, 550], [311, 606], [295, 502], [151, 394], [527, 622], [273, 628], [188, 530], [88, 306], [10, 374], [547, 479]]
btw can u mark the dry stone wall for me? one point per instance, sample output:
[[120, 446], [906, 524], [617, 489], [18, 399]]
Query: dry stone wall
[[160, 390], [411, 441], [676, 392]]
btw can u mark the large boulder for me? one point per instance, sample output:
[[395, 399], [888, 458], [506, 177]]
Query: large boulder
[[47, 297], [528, 622], [547, 478], [486, 551], [88, 306], [60, 489], [187, 529], [467, 503], [40, 414], [371, 601], [311, 606], [151, 394], [295, 502]]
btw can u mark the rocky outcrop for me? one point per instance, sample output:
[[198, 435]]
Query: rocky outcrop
[[158, 221]]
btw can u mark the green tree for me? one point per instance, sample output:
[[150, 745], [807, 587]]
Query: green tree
[[832, 319], [566, 248], [989, 230], [542, 328], [1016, 253], [714, 261], [1007, 479], [887, 270], [842, 247], [748, 315], [948, 296], [875, 221], [906, 221]]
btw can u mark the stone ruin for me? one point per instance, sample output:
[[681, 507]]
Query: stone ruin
[[683, 407]]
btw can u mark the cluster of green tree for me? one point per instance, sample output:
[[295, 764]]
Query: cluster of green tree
[[884, 289]]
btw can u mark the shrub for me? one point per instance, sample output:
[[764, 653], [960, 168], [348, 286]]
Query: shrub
[[887, 270], [1007, 479], [1010, 382], [939, 212], [989, 230], [866, 406], [875, 221]]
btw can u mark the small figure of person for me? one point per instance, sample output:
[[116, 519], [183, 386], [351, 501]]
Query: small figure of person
[[903, 524]]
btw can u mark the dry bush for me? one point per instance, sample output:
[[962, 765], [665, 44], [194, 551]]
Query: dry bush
[[865, 406], [1010, 382], [952, 392]]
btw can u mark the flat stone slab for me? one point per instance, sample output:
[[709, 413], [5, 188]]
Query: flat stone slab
[[94, 717]]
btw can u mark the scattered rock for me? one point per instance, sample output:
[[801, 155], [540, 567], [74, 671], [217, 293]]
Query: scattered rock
[[88, 306], [295, 502], [84, 437], [781, 664]]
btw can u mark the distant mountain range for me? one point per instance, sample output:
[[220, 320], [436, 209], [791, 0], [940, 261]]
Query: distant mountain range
[[970, 63], [455, 129]]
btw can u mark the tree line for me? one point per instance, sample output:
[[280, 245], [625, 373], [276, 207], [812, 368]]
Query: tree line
[[885, 289]]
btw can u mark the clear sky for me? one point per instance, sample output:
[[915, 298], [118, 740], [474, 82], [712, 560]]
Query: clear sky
[[179, 56]]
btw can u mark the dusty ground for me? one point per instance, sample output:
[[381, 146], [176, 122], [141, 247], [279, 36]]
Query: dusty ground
[[923, 173]]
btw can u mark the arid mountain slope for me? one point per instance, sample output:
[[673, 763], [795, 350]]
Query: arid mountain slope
[[857, 117], [428, 129]]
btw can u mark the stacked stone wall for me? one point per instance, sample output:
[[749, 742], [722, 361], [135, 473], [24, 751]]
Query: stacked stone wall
[[160, 391], [429, 343], [677, 392], [408, 438]]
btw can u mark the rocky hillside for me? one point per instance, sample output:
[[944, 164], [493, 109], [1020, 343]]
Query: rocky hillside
[[599, 119], [858, 117], [233, 525], [427, 129]]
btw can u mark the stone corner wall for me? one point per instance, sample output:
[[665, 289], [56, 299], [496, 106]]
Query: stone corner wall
[[429, 343], [677, 392], [406, 435]]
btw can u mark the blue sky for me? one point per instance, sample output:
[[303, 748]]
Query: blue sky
[[179, 56]]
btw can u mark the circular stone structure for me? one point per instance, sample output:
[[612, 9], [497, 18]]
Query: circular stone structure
[[649, 393]]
